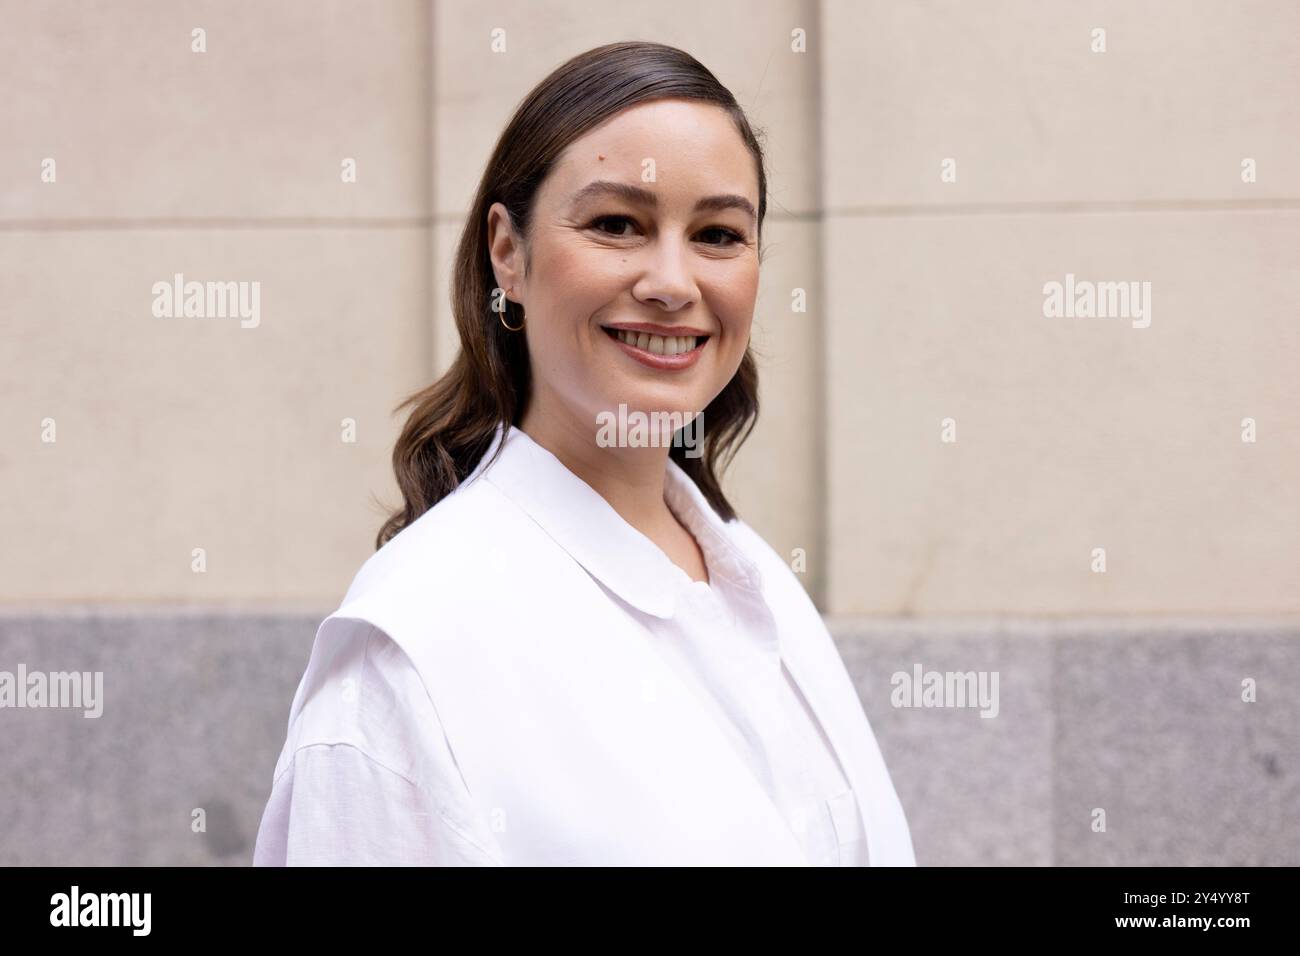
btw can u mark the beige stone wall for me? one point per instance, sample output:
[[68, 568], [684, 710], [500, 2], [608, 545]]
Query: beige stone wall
[[173, 433], [1072, 433], [924, 297]]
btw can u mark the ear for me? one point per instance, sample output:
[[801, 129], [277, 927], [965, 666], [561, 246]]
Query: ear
[[505, 250]]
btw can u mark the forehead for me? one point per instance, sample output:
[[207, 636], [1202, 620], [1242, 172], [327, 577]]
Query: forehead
[[695, 147]]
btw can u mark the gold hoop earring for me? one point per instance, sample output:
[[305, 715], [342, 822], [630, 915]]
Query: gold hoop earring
[[512, 328]]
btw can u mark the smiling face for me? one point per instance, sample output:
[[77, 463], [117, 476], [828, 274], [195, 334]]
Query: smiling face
[[638, 293]]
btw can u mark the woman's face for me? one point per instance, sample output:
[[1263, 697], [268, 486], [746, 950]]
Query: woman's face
[[643, 267]]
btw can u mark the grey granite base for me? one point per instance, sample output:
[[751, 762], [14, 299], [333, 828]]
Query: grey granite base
[[1141, 720]]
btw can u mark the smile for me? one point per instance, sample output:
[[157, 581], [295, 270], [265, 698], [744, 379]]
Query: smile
[[659, 351]]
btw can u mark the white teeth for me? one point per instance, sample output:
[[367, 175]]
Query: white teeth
[[658, 344]]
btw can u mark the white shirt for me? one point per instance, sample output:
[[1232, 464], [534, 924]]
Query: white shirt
[[522, 678]]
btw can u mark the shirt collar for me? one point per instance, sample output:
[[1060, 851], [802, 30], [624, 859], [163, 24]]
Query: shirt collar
[[586, 526]]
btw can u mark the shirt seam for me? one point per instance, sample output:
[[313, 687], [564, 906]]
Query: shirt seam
[[459, 830], [366, 661]]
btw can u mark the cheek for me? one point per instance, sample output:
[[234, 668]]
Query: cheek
[[735, 306], [570, 283], [556, 292], [571, 270]]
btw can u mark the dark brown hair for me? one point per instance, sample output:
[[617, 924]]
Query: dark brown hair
[[454, 420]]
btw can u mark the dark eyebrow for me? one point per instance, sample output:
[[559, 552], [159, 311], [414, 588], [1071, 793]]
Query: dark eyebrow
[[643, 196]]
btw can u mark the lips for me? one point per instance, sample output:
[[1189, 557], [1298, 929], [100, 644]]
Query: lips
[[660, 347], [658, 344]]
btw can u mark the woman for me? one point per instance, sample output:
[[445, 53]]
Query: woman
[[567, 649]]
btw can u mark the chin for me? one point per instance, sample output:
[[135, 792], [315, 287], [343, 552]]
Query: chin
[[659, 400]]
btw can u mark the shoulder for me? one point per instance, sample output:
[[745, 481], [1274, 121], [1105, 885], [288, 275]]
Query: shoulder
[[437, 583], [361, 691], [448, 562], [758, 550], [781, 586], [464, 522], [751, 542]]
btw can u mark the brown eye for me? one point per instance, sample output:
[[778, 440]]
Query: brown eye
[[597, 223], [729, 236]]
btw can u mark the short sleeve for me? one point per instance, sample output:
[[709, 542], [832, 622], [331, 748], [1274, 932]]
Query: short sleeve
[[367, 776]]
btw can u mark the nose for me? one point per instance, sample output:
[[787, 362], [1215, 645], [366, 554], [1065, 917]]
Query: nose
[[667, 278]]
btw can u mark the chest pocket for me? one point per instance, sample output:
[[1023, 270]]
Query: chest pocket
[[849, 831]]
